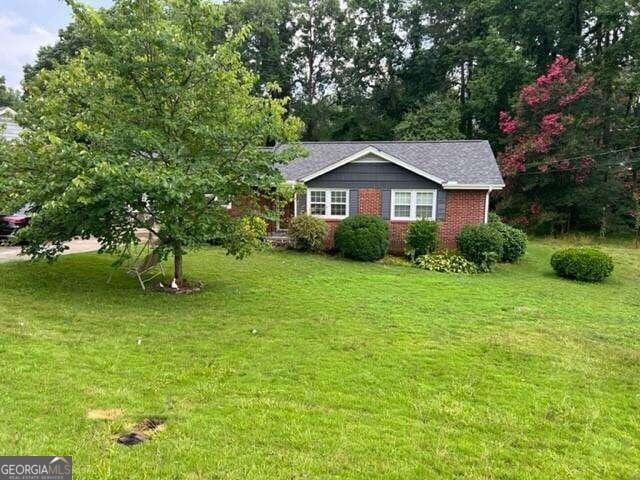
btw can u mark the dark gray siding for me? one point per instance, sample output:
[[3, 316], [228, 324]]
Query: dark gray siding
[[441, 204], [386, 204], [371, 175], [384, 176], [353, 202]]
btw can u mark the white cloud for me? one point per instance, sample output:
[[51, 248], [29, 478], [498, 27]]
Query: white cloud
[[20, 41]]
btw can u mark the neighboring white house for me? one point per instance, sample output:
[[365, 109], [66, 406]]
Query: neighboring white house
[[8, 127]]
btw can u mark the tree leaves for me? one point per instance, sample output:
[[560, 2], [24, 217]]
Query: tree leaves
[[141, 129]]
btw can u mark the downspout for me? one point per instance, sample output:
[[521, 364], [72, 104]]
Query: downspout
[[486, 206]]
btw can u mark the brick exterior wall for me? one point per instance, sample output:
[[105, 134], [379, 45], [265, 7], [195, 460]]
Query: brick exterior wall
[[370, 201], [464, 207], [331, 228], [397, 231]]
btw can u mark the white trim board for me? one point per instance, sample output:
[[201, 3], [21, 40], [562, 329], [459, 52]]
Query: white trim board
[[379, 153], [471, 186]]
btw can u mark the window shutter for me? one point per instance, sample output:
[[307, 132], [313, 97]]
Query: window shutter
[[301, 203], [386, 204], [441, 206], [353, 202]]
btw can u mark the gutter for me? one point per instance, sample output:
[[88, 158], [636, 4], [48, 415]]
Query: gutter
[[471, 186]]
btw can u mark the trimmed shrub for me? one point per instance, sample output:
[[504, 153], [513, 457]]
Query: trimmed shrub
[[482, 245], [581, 263], [254, 227], [421, 238], [307, 233], [446, 262], [247, 232], [494, 218], [362, 237], [514, 242]]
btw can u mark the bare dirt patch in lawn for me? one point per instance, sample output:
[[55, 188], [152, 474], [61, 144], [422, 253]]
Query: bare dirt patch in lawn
[[106, 414], [142, 431]]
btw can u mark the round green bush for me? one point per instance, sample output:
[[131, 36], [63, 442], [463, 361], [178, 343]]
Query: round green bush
[[421, 238], [494, 218], [307, 233], [514, 242], [581, 263], [482, 245], [362, 237]]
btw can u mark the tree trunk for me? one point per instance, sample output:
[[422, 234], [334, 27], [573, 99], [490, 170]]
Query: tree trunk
[[177, 264]]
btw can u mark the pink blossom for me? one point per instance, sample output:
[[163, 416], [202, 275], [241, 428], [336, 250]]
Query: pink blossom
[[508, 124], [558, 72], [551, 124], [541, 143], [534, 96], [581, 91], [511, 163], [587, 162]]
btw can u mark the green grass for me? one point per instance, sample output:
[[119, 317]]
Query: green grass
[[356, 370]]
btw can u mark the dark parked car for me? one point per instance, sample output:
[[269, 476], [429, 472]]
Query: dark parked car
[[9, 224]]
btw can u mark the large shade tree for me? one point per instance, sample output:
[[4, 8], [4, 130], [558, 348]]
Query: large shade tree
[[157, 126]]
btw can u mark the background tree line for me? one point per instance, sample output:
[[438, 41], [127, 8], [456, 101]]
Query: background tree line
[[436, 69]]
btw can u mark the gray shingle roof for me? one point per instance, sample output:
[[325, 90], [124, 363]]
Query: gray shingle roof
[[463, 162]]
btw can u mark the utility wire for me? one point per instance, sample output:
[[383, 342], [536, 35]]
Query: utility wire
[[634, 147], [616, 163]]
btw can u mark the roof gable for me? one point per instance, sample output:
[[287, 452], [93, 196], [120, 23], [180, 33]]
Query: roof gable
[[370, 151], [453, 164]]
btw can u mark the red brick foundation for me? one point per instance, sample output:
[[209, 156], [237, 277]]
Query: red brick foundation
[[331, 228], [397, 231], [370, 201]]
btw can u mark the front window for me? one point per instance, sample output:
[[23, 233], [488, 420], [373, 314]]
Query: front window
[[328, 203], [424, 205], [413, 204], [318, 200], [338, 203], [402, 205]]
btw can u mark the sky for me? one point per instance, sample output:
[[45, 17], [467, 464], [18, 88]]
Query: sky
[[25, 26]]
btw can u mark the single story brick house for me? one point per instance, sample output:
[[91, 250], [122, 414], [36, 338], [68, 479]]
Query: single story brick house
[[446, 181]]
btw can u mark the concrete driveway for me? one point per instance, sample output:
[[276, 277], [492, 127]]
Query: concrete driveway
[[8, 254]]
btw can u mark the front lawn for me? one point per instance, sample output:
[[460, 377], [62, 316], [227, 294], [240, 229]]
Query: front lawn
[[297, 366]]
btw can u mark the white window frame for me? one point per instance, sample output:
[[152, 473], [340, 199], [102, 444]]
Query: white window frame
[[327, 202], [412, 209]]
